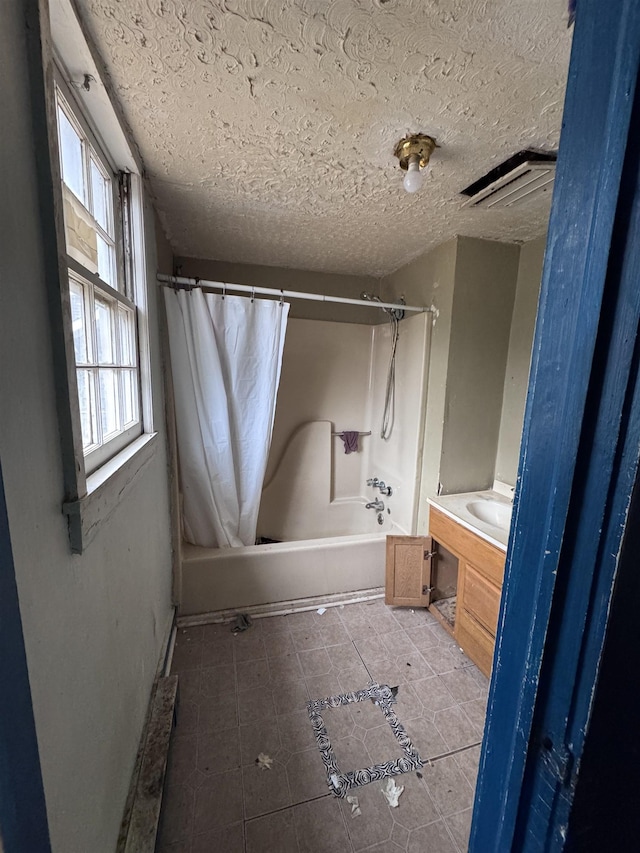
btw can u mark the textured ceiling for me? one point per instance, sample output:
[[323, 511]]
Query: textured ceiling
[[267, 126]]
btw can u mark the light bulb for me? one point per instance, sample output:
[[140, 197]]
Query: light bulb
[[413, 179]]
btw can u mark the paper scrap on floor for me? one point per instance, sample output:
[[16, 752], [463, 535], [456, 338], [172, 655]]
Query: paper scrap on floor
[[392, 792], [355, 806], [264, 762]]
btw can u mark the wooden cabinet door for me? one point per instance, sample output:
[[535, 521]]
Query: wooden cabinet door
[[408, 574]]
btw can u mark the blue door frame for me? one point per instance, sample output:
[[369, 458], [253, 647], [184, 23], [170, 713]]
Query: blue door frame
[[23, 817], [570, 542]]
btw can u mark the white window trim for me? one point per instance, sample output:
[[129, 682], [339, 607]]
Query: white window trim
[[94, 497]]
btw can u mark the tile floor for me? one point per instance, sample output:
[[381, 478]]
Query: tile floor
[[246, 694]]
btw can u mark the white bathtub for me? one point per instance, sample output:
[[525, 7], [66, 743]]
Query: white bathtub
[[215, 579]]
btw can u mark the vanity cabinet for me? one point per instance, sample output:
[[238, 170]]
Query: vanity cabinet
[[412, 580], [480, 573]]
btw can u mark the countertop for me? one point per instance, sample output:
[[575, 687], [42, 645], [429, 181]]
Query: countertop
[[455, 506]]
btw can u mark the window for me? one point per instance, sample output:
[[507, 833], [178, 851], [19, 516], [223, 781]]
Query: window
[[103, 313]]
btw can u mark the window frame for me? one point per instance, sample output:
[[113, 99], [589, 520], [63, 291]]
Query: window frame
[[93, 152], [90, 498]]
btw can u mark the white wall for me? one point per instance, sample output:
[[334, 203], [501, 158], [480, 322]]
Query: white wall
[[94, 623], [516, 378], [325, 376]]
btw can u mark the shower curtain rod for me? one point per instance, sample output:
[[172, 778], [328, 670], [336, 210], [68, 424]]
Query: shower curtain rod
[[178, 280]]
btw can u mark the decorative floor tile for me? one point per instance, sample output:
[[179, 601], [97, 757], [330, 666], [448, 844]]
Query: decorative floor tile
[[265, 791], [433, 838], [262, 736], [228, 838], [448, 786], [246, 694], [270, 833], [456, 728], [255, 704], [459, 826], [218, 802], [340, 781], [316, 662], [320, 827]]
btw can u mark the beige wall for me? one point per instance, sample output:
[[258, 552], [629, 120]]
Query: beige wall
[[485, 282], [350, 286], [429, 281], [163, 248], [93, 624], [517, 373], [470, 285]]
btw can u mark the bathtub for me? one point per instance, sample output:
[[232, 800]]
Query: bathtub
[[215, 579]]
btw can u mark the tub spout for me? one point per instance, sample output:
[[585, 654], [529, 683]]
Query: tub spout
[[378, 505]]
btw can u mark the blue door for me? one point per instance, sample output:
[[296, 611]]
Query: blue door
[[572, 540]]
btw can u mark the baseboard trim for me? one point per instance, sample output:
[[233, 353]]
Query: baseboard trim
[[282, 608], [162, 669]]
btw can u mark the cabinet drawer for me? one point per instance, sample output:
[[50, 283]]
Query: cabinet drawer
[[474, 640], [481, 599], [463, 543]]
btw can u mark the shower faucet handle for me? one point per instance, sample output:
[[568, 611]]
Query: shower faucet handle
[[385, 490], [373, 481]]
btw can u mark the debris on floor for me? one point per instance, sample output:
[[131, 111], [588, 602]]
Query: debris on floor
[[264, 762], [355, 807], [242, 623], [392, 792], [321, 610], [394, 696]]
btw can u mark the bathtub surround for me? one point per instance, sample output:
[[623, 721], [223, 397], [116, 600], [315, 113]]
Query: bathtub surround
[[314, 386], [226, 353], [309, 477]]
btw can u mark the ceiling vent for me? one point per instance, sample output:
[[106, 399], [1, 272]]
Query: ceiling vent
[[525, 177]]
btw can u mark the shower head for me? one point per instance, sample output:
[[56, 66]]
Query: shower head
[[394, 313]]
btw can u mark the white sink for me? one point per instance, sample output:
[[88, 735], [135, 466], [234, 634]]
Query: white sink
[[492, 512]]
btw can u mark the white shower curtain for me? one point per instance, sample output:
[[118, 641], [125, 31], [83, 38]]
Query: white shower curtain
[[226, 355]]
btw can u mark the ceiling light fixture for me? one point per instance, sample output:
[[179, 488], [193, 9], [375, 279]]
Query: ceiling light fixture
[[414, 152]]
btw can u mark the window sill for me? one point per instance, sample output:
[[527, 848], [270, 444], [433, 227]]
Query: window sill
[[106, 487]]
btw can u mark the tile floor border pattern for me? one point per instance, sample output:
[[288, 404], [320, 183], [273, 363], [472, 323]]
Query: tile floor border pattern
[[340, 783]]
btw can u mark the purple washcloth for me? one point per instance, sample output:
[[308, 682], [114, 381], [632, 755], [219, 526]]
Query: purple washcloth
[[350, 439]]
